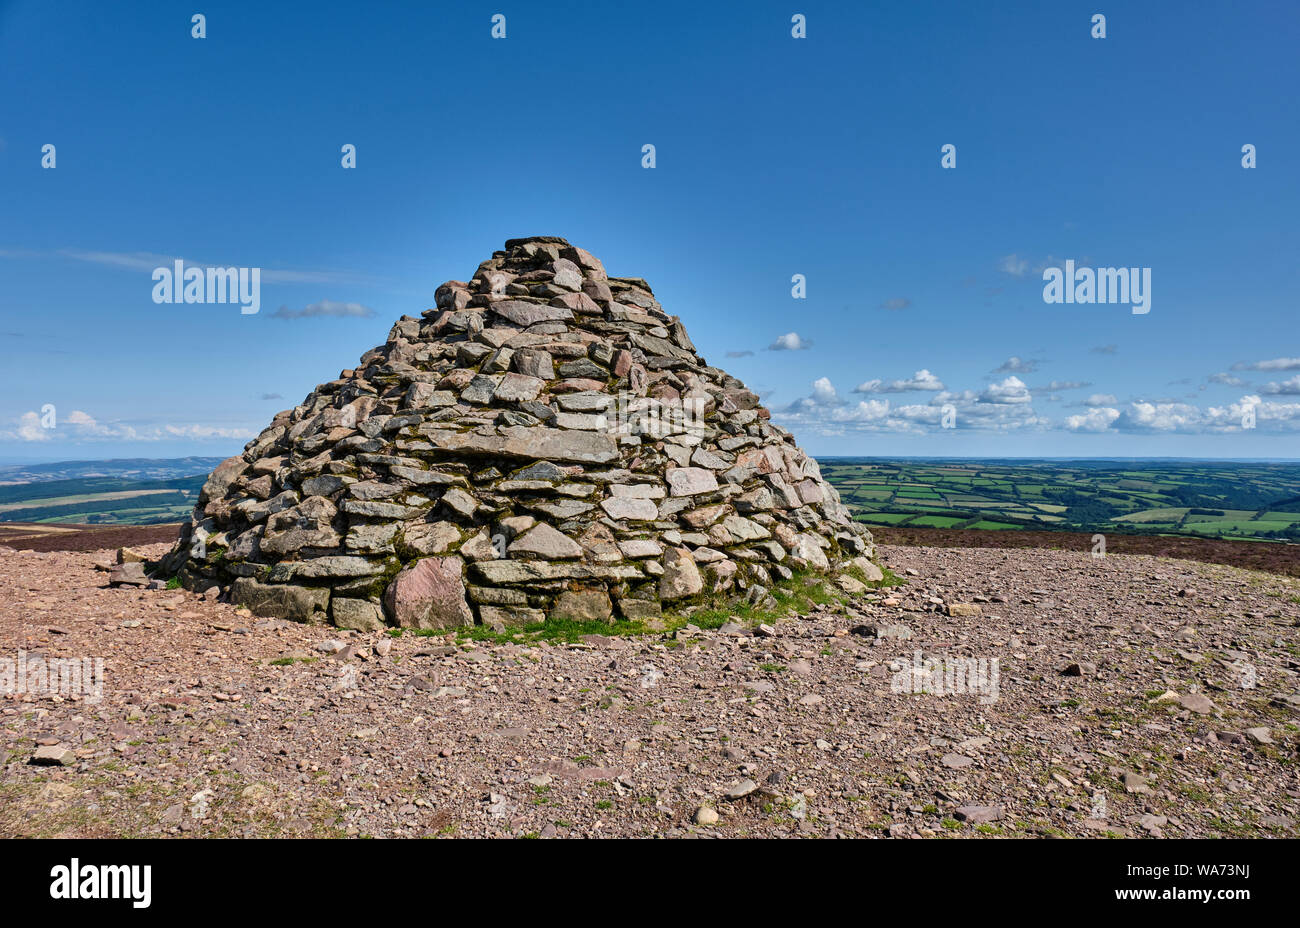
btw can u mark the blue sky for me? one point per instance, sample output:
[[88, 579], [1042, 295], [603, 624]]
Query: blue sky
[[775, 156]]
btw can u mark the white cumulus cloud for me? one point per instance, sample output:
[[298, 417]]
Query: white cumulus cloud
[[921, 380], [1289, 387], [790, 341], [824, 391], [78, 425], [1094, 420], [1010, 390]]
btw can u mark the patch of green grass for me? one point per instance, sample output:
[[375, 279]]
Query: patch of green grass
[[1102, 781], [1194, 793], [803, 591], [888, 579], [392, 567], [937, 521]]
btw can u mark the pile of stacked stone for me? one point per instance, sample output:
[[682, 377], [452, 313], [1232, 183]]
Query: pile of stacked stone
[[546, 442]]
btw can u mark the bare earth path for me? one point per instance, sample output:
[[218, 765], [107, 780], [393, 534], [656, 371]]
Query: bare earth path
[[214, 722]]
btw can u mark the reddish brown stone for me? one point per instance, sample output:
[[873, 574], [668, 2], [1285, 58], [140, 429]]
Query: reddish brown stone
[[598, 290], [457, 380], [578, 302], [429, 594]]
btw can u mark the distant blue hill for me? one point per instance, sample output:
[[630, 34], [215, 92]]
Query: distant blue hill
[[123, 468]]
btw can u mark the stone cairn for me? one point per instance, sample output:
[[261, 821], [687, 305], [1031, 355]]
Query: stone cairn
[[546, 442]]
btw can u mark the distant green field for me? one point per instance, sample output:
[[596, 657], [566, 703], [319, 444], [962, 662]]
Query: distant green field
[[1155, 515], [937, 521], [1235, 527], [891, 518], [1216, 498]]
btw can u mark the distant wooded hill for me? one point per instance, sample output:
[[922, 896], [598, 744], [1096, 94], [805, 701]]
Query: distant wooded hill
[[123, 492]]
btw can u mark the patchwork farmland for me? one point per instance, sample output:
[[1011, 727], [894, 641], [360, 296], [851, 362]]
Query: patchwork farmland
[[1216, 499]]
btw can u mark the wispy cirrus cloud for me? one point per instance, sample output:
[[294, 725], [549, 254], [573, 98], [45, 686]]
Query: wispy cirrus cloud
[[325, 308], [1014, 265], [1017, 365], [1275, 364], [147, 261], [1062, 385]]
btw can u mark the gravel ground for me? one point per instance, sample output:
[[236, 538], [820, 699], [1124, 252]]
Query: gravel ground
[[1133, 696]]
